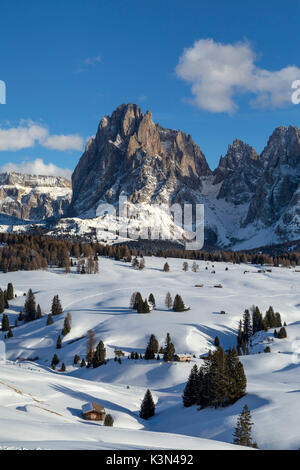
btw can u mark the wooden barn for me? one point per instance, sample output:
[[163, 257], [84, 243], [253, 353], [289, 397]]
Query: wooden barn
[[183, 357], [93, 411]]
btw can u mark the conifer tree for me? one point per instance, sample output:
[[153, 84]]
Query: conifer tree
[[242, 433], [144, 307], [178, 305], [138, 301], [76, 359], [247, 327], [10, 291], [169, 349], [10, 333], [30, 306], [58, 343], [67, 325], [5, 322], [100, 355], [168, 300], [38, 311], [5, 300], [147, 407], [54, 361], [63, 367], [191, 389], [50, 320], [282, 333], [2, 301], [109, 420], [151, 299], [132, 300], [152, 348], [217, 342], [56, 308], [83, 363]]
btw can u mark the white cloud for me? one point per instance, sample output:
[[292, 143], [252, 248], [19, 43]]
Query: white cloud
[[64, 142], [27, 134], [218, 72], [36, 167], [21, 137]]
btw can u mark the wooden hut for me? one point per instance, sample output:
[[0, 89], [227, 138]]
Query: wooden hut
[[93, 411], [183, 357]]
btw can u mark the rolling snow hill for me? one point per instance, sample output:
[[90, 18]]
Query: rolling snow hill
[[31, 393]]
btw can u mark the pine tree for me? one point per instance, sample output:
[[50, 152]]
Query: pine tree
[[247, 327], [138, 301], [169, 349], [50, 320], [5, 322], [151, 300], [144, 307], [56, 308], [10, 333], [99, 356], [178, 305], [83, 363], [217, 342], [152, 348], [191, 389], [54, 361], [58, 343], [30, 306], [242, 433], [147, 407], [38, 311], [67, 325], [109, 420], [5, 299], [168, 300], [76, 359], [10, 291], [2, 301], [63, 367], [282, 333]]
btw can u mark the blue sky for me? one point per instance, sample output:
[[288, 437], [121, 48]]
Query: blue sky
[[68, 63]]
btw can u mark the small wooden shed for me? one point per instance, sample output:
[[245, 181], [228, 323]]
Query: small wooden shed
[[183, 357], [93, 411]]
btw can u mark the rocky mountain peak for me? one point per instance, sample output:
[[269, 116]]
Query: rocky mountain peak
[[132, 155]]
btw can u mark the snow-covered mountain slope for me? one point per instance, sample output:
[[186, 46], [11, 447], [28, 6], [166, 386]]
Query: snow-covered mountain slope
[[42, 410], [34, 197], [101, 302], [133, 157]]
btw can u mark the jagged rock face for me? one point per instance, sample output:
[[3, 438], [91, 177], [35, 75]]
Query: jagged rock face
[[134, 157], [277, 192], [239, 172], [32, 197]]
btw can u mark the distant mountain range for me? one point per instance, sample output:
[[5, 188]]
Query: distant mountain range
[[249, 199]]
